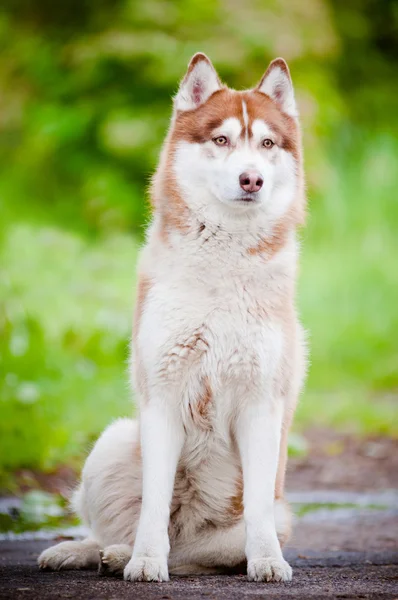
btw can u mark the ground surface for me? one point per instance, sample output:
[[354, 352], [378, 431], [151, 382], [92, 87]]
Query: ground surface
[[338, 574], [344, 545], [344, 462]]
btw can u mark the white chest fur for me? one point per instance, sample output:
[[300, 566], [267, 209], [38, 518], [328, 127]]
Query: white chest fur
[[214, 314]]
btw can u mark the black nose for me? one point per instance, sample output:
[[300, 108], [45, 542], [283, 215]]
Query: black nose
[[251, 181]]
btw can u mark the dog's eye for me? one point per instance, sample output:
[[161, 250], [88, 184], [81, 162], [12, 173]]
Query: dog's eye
[[221, 140], [268, 143]]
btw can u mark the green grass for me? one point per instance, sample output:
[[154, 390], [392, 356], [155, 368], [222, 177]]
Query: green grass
[[66, 321], [66, 306], [300, 510], [348, 294]]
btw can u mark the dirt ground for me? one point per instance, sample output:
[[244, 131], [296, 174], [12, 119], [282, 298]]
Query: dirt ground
[[344, 462], [334, 461], [346, 549]]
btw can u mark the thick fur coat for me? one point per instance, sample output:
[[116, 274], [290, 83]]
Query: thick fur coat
[[218, 358]]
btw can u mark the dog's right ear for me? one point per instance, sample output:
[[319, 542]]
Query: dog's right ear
[[277, 84], [199, 83]]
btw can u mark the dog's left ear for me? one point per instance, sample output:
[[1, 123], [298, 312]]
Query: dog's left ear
[[277, 84], [199, 83]]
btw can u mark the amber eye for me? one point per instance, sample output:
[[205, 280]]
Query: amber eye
[[221, 140], [268, 143]]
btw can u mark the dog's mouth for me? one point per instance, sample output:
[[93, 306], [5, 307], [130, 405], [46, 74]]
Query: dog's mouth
[[248, 199]]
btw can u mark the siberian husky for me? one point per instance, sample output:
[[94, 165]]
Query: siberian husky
[[196, 484]]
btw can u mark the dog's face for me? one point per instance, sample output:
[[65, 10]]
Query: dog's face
[[236, 151]]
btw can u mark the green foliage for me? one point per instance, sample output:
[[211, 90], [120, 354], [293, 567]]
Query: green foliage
[[65, 323], [85, 95]]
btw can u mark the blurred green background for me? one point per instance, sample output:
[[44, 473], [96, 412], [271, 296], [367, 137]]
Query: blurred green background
[[85, 98]]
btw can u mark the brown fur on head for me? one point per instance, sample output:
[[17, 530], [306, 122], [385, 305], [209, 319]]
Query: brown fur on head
[[198, 175]]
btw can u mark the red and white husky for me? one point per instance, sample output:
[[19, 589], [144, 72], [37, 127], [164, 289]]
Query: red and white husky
[[219, 358]]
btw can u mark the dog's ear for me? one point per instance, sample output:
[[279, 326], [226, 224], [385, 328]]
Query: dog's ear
[[199, 83], [277, 84]]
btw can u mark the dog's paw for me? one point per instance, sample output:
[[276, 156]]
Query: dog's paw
[[114, 559], [269, 569], [67, 555], [145, 568]]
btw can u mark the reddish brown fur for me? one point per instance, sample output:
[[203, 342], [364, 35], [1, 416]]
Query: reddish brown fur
[[235, 510], [236, 507], [283, 455], [200, 410], [196, 342], [198, 126], [284, 390], [165, 196], [144, 285]]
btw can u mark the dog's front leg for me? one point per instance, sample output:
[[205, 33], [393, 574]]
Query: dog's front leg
[[258, 435], [161, 443]]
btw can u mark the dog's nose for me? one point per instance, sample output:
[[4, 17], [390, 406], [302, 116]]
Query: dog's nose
[[251, 181]]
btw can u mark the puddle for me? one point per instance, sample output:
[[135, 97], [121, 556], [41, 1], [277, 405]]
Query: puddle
[[36, 512], [333, 505], [44, 516], [384, 498]]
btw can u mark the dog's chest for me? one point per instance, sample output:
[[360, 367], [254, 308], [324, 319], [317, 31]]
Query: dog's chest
[[223, 329]]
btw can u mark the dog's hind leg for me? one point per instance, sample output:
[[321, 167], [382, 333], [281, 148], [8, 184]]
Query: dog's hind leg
[[114, 558], [71, 555], [210, 551]]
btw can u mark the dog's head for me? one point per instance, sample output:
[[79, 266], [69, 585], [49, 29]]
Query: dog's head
[[229, 152]]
